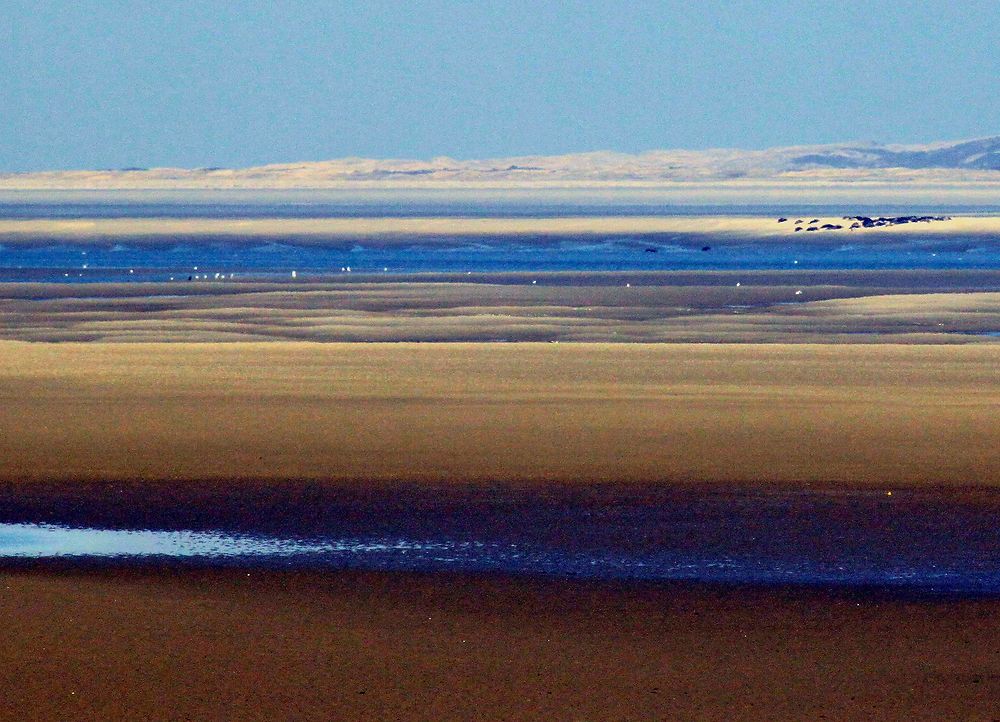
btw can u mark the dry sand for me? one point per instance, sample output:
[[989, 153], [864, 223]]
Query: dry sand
[[390, 231], [225, 645], [768, 414]]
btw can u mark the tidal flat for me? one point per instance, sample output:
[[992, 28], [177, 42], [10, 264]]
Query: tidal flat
[[496, 466]]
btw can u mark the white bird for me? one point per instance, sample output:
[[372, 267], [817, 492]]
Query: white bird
[[294, 274]]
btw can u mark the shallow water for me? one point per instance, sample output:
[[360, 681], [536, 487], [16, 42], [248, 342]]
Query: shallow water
[[934, 542], [277, 257], [220, 262]]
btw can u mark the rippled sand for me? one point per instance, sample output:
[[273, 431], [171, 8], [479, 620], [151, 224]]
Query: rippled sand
[[707, 306]]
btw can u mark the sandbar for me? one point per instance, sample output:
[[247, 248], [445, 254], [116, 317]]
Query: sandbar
[[381, 231]]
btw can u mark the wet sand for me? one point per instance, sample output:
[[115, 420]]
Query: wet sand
[[703, 306], [224, 645], [875, 415]]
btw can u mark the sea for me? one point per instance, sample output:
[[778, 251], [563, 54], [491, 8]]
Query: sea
[[276, 258]]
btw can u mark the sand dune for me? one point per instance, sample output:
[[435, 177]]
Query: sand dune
[[875, 415], [954, 161]]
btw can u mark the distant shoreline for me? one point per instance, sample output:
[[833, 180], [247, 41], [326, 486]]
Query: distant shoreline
[[983, 190], [389, 231]]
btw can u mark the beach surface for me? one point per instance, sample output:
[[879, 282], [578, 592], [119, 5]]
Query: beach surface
[[159, 645], [873, 415]]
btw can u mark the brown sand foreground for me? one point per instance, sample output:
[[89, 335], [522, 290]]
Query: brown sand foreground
[[225, 645], [770, 414]]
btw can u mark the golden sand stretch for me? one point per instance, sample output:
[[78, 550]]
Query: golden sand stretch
[[873, 415], [389, 230]]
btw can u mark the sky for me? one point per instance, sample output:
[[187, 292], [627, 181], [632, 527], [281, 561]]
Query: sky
[[234, 83]]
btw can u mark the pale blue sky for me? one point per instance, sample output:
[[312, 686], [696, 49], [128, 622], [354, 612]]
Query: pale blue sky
[[115, 83]]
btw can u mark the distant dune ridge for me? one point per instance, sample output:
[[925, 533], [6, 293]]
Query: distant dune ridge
[[969, 161]]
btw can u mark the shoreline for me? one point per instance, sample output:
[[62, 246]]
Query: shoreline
[[394, 232]]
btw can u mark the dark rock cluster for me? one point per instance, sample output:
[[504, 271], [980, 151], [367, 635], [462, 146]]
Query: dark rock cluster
[[865, 222]]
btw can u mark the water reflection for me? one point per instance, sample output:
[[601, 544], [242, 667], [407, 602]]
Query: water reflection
[[21, 541], [39, 541], [46, 540]]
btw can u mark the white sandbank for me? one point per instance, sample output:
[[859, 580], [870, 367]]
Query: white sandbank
[[315, 230]]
